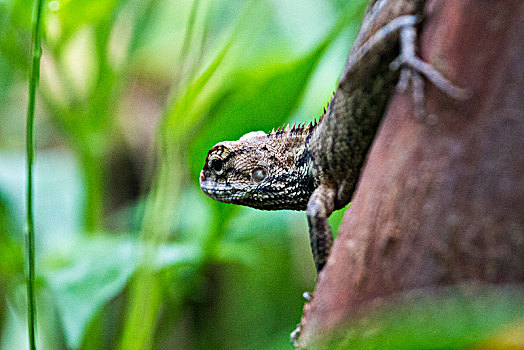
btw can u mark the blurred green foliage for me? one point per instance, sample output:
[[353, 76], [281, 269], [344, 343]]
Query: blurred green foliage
[[458, 317], [130, 253]]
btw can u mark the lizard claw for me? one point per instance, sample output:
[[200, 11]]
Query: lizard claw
[[409, 76], [308, 296], [295, 335]]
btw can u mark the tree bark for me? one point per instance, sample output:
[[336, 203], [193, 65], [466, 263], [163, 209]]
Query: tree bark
[[440, 201]]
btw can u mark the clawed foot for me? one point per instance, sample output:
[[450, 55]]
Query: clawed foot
[[412, 70], [308, 296], [295, 335]]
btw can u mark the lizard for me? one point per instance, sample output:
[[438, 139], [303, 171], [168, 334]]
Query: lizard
[[315, 167]]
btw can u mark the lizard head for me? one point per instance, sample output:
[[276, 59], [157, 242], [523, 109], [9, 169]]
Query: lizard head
[[264, 171]]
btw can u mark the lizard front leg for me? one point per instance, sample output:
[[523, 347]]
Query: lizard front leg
[[412, 69], [319, 208]]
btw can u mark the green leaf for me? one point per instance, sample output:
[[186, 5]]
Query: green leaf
[[11, 258], [450, 318], [75, 13], [256, 99], [86, 277], [260, 97]]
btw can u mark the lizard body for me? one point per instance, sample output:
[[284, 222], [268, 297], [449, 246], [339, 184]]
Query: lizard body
[[315, 167]]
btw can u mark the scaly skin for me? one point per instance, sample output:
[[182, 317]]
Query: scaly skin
[[316, 167]]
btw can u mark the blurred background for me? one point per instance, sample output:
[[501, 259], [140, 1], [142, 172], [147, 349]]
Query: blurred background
[[130, 253]]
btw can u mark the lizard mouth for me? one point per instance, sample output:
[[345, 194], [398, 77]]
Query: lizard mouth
[[215, 190]]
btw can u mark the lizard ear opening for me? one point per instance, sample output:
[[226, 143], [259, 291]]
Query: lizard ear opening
[[258, 175]]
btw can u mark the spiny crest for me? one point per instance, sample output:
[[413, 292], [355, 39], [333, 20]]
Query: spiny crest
[[295, 129]]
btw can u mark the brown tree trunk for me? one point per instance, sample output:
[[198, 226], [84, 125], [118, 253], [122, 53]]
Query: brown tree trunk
[[440, 201]]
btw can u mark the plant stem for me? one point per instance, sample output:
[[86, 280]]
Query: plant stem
[[30, 144]]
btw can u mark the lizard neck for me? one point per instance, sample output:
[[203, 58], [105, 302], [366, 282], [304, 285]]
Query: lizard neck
[[293, 174], [296, 176]]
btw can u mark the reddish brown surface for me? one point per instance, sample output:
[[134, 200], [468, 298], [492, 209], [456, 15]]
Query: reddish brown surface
[[443, 203]]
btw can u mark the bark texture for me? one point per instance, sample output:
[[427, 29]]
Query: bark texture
[[440, 201]]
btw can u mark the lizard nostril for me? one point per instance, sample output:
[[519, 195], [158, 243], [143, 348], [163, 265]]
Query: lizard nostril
[[202, 175]]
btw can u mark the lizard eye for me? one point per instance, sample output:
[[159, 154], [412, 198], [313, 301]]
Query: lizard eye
[[217, 165], [258, 175]]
